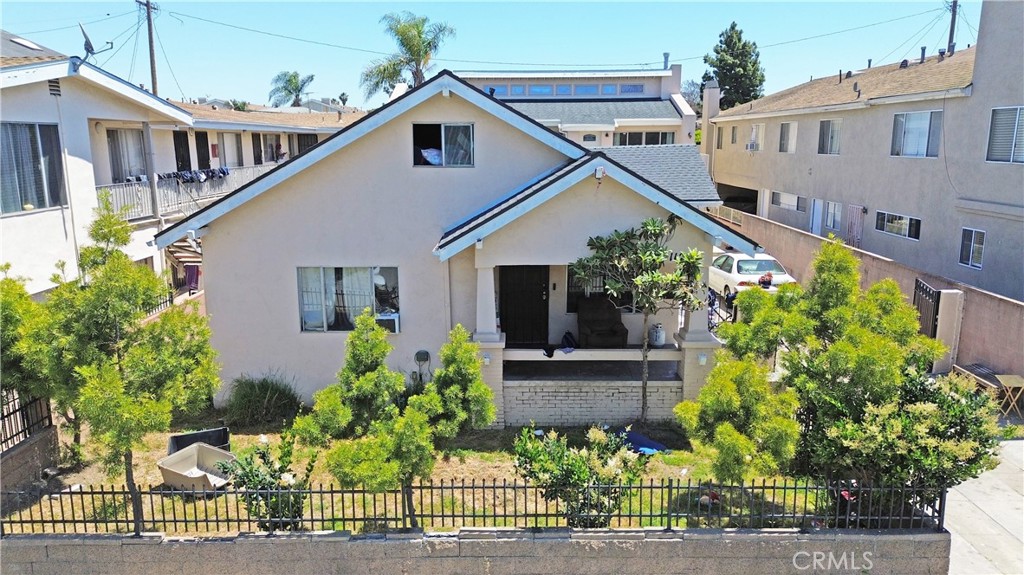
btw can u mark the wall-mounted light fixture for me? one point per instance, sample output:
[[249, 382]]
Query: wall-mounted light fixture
[[702, 358], [97, 127], [479, 243]]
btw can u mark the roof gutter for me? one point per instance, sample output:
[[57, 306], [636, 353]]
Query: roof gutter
[[239, 126]]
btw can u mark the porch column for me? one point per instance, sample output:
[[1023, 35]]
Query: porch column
[[486, 322], [147, 134]]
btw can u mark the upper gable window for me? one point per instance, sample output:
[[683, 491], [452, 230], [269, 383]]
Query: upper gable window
[[442, 144]]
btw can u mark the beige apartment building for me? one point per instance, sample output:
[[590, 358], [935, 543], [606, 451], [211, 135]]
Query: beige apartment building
[[921, 161]]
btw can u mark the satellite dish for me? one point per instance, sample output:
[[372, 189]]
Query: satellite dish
[[89, 49]]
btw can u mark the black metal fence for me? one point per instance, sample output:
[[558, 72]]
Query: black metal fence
[[21, 417], [448, 505], [165, 302]]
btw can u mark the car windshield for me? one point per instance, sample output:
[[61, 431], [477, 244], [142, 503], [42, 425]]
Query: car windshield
[[758, 267]]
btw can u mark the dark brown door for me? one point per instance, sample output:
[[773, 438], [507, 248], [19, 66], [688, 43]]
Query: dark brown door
[[203, 150], [182, 157], [524, 305]]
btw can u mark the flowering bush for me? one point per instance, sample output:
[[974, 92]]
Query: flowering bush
[[273, 493], [590, 481]]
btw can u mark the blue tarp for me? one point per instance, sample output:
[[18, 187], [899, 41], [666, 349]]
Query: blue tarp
[[643, 444]]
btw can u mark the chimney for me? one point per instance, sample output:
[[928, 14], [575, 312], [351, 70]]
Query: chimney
[[923, 50], [202, 100], [712, 94], [665, 54], [869, 63]]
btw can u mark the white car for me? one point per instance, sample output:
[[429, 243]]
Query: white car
[[735, 271]]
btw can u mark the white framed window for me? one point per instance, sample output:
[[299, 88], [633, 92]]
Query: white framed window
[[541, 90], [972, 247], [828, 136], [1006, 135], [898, 225], [330, 299], [563, 90], [442, 145], [585, 89], [719, 136], [499, 89], [609, 89], [734, 131], [833, 215], [232, 152], [31, 172], [127, 154], [916, 134], [787, 137], [643, 138], [789, 201], [631, 89], [590, 138], [756, 143]]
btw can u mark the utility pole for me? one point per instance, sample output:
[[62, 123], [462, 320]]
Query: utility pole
[[952, 29], [152, 53]]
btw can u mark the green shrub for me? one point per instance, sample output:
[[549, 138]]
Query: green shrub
[[260, 400]]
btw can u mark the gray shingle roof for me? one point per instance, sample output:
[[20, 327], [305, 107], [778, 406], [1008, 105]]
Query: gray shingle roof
[[15, 54], [678, 169], [596, 111]]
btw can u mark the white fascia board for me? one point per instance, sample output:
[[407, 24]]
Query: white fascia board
[[512, 74], [923, 97], [630, 122], [239, 126], [354, 132], [588, 127], [32, 73], [879, 101], [688, 213], [515, 212], [682, 105], [131, 92]]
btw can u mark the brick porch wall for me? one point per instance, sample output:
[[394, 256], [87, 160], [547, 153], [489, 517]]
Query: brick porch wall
[[587, 402]]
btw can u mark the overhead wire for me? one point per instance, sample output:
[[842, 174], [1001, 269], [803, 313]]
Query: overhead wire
[[138, 24], [962, 19], [919, 38], [135, 51], [76, 25], [912, 36], [156, 32]]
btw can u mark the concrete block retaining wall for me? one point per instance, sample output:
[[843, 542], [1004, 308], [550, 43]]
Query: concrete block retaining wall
[[23, 464], [490, 551], [587, 402]]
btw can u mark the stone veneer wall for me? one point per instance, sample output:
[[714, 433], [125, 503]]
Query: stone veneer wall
[[492, 551], [586, 402]]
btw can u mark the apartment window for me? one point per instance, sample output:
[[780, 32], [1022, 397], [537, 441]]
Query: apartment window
[[232, 149], [305, 142], [518, 90], [972, 247], [442, 144], [828, 136], [330, 299], [257, 149], [733, 135], [578, 289], [31, 174], [1006, 135], [787, 137], [644, 138], [563, 90], [916, 134], [789, 201], [590, 138], [541, 89], [833, 215], [127, 155], [631, 89], [273, 150], [898, 225], [499, 89], [609, 89], [756, 138], [718, 138], [585, 89]]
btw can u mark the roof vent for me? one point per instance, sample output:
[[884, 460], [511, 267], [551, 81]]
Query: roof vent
[[665, 54], [869, 63], [904, 64], [923, 50], [849, 74], [942, 54]]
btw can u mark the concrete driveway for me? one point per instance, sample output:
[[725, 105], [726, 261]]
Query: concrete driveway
[[986, 518]]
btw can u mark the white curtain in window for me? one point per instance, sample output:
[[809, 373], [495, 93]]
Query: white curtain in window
[[359, 293], [458, 145], [311, 299], [22, 177], [127, 154]]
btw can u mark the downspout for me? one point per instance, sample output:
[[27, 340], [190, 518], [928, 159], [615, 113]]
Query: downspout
[[67, 180]]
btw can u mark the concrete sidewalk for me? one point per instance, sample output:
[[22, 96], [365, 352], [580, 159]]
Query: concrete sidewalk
[[986, 518]]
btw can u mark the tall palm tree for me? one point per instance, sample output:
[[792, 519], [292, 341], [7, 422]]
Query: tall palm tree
[[288, 86], [418, 40]]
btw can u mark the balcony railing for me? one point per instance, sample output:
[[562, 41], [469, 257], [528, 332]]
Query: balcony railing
[[176, 196]]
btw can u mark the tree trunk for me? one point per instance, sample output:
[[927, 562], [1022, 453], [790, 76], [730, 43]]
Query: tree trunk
[[410, 507], [133, 492], [644, 372]]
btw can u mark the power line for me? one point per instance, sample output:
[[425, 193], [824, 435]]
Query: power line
[[76, 25], [919, 38], [138, 24], [912, 36], [135, 51], [168, 60], [963, 19]]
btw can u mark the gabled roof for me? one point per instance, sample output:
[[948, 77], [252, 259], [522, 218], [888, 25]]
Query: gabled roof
[[954, 72], [74, 66], [535, 194], [596, 112], [678, 169], [17, 51], [443, 83], [214, 116]]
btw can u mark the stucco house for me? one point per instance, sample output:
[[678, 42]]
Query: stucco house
[[448, 206], [598, 108], [921, 161]]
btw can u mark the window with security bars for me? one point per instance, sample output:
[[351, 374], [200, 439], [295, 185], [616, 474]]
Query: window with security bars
[[578, 289], [1006, 136], [31, 173], [972, 247]]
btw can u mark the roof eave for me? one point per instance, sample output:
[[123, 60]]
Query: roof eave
[[877, 101]]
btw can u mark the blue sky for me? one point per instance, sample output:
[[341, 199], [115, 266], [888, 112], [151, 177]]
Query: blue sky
[[198, 54]]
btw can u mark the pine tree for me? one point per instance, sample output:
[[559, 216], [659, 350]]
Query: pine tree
[[736, 66]]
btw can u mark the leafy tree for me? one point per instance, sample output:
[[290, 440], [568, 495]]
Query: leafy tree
[[693, 92], [239, 105], [418, 41], [343, 98], [16, 308], [858, 365], [634, 261], [750, 425], [590, 481], [736, 65], [288, 87]]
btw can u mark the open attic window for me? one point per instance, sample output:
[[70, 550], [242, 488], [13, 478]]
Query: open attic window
[[442, 144]]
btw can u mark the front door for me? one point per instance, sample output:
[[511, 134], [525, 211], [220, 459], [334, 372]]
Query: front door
[[855, 225], [523, 305], [816, 214], [182, 157]]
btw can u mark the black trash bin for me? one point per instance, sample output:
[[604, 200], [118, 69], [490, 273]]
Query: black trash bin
[[219, 437]]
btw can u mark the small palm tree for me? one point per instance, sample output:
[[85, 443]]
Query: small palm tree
[[418, 40], [344, 99], [288, 86]]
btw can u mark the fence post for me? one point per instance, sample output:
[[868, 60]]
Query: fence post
[[942, 510], [668, 508]]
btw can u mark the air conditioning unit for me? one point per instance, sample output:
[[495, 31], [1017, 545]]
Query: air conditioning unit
[[389, 321], [751, 147]]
